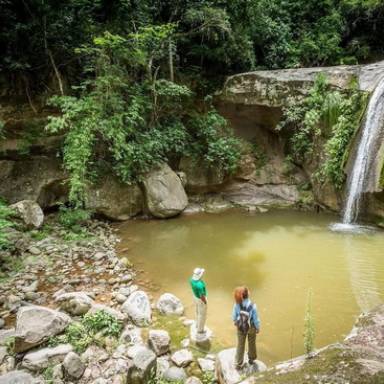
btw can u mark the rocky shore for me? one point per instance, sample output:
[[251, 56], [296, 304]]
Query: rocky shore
[[72, 311]]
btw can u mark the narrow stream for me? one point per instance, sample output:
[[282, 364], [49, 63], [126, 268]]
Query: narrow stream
[[280, 255]]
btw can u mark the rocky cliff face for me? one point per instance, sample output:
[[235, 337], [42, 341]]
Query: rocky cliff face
[[253, 103]]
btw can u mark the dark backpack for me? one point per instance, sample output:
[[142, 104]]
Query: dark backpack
[[244, 320]]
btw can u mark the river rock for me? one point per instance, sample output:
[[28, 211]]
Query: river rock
[[43, 358], [164, 192], [143, 367], [75, 303], [115, 199], [175, 374], [36, 324], [131, 335], [73, 366], [18, 377], [206, 365], [159, 341], [138, 308], [169, 304], [226, 371], [30, 212], [182, 358]]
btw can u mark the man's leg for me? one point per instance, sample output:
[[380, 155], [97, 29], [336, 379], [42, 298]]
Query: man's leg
[[201, 315], [240, 348], [252, 352]]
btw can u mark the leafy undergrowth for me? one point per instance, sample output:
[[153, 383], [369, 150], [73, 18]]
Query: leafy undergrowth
[[91, 329], [336, 365]]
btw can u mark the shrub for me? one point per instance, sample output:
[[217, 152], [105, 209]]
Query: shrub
[[72, 218], [5, 223], [92, 329]]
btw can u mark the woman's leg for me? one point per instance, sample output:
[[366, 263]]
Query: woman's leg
[[241, 337], [252, 352]]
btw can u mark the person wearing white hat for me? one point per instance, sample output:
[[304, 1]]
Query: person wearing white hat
[[200, 294]]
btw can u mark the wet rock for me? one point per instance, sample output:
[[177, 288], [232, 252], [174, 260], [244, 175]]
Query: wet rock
[[138, 308], [36, 324], [175, 374], [75, 303], [43, 358], [73, 366], [169, 304], [165, 195], [18, 377], [206, 365], [143, 367], [159, 341], [114, 199], [30, 212], [182, 358], [226, 371]]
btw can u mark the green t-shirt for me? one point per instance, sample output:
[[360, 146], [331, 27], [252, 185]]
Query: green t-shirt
[[198, 288]]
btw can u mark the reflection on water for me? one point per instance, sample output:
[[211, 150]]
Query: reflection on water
[[280, 255]]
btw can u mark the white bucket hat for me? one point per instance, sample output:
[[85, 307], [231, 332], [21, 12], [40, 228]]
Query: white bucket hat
[[198, 273]]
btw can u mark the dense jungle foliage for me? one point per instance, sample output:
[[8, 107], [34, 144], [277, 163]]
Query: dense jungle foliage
[[133, 79]]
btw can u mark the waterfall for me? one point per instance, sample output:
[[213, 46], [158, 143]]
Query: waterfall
[[364, 164]]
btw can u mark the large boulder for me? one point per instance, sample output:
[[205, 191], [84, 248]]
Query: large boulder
[[143, 367], [18, 377], [165, 195], [169, 304], [30, 212], [75, 303], [226, 372], [43, 358], [159, 341], [35, 324], [138, 308], [114, 199]]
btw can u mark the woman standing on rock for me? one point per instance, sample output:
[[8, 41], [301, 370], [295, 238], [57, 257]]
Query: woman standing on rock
[[247, 322]]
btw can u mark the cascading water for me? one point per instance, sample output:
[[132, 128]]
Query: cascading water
[[363, 166]]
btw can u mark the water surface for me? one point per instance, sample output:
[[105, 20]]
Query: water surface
[[279, 255]]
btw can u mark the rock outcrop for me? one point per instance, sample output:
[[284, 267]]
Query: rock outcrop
[[165, 195]]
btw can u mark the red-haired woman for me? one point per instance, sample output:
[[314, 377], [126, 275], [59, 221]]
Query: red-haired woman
[[247, 323]]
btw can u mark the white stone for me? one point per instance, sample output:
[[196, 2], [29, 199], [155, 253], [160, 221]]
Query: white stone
[[169, 304], [75, 303], [30, 212], [206, 365], [41, 359], [182, 358], [73, 365], [138, 308]]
